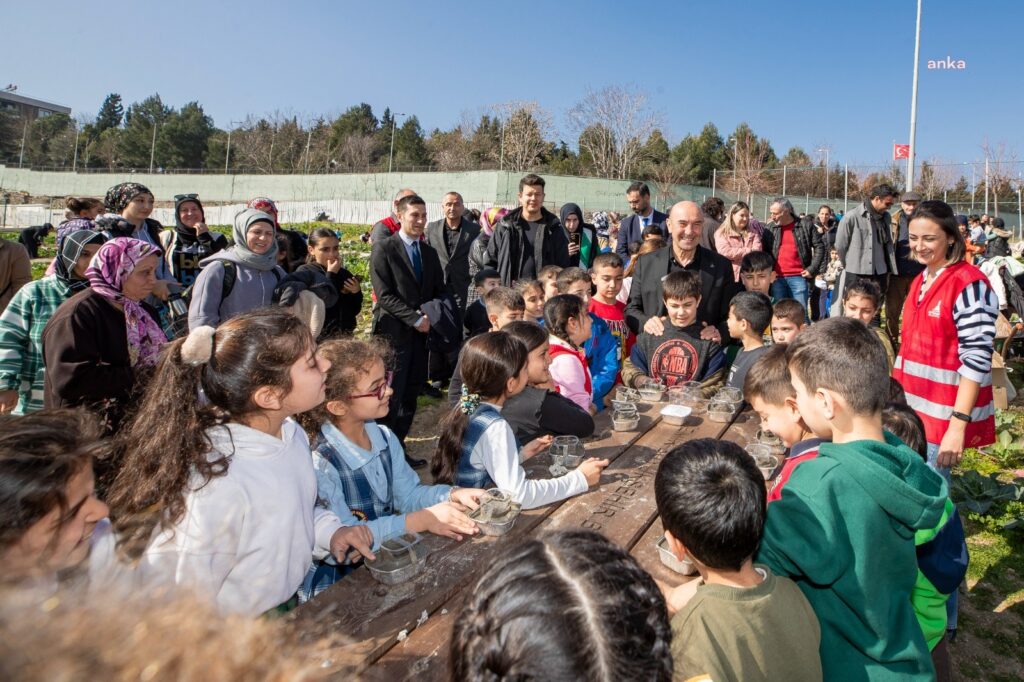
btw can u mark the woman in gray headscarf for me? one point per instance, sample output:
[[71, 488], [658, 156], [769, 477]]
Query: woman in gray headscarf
[[238, 279]]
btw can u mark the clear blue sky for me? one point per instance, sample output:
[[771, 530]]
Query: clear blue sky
[[801, 72]]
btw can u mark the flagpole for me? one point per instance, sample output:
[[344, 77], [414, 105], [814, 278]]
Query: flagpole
[[913, 102]]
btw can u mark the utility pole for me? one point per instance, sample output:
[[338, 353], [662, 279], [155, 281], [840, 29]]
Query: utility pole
[[783, 180], [972, 187], [986, 184], [913, 102], [714, 180], [227, 153], [394, 123], [24, 134], [846, 186], [825, 149], [74, 162], [309, 138], [152, 148]]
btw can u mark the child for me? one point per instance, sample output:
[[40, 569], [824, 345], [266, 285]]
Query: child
[[502, 306], [568, 323], [650, 232], [649, 246], [475, 320], [532, 292], [570, 605], [219, 495], [48, 509], [477, 448], [679, 354], [842, 527], [538, 410], [769, 391], [757, 272], [833, 272], [941, 551], [861, 301], [361, 471], [325, 260], [749, 313], [601, 349], [739, 621], [788, 318], [606, 275], [547, 277]]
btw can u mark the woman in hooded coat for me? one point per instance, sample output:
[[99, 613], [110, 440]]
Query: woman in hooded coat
[[22, 323], [238, 279]]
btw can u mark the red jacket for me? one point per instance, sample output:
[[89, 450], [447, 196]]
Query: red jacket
[[928, 360]]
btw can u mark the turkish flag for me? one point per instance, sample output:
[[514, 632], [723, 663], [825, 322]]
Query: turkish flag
[[900, 151]]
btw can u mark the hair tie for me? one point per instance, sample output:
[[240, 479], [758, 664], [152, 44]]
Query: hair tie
[[198, 346], [469, 401]]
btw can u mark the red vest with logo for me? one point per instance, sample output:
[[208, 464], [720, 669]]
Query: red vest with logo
[[928, 360], [556, 350]]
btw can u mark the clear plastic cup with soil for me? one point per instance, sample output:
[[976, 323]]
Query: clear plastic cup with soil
[[398, 560], [625, 418], [497, 512], [773, 442], [681, 566]]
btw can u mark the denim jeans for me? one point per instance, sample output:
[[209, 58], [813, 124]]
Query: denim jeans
[[951, 605], [794, 287]]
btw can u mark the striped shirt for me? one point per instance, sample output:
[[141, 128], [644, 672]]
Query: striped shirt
[[21, 340], [974, 314]]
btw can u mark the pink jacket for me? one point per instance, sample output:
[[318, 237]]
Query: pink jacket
[[570, 376], [734, 247]]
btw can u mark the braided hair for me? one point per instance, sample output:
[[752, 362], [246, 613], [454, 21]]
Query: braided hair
[[570, 605]]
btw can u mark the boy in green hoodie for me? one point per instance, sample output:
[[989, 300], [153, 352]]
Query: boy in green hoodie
[[845, 524]]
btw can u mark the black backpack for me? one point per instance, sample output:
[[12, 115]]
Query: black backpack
[[178, 322]]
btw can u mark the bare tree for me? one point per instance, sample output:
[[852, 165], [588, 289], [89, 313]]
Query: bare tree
[[1002, 160], [614, 124], [666, 176], [748, 154], [525, 129]]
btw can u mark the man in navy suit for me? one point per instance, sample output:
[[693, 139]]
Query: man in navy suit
[[639, 197], [406, 273]]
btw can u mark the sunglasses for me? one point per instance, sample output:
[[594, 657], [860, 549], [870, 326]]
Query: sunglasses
[[182, 197], [381, 390]]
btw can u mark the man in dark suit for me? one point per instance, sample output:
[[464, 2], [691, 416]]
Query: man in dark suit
[[646, 307], [631, 228], [451, 237], [406, 273]]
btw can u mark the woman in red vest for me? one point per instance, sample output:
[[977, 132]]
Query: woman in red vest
[[949, 327]]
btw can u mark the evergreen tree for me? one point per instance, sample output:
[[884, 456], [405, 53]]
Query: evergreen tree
[[111, 112]]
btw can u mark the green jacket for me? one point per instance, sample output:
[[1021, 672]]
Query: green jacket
[[21, 340], [844, 531], [928, 602]]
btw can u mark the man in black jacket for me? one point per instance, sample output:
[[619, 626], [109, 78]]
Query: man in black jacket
[[631, 228], [797, 248], [528, 238], [406, 273], [646, 308]]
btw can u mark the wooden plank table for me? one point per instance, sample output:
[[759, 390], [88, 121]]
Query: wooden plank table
[[403, 631]]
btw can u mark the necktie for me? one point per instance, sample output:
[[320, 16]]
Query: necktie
[[417, 262], [646, 221]]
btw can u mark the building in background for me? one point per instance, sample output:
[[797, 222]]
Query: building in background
[[29, 108]]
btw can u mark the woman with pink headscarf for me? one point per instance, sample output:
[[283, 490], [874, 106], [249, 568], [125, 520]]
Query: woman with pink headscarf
[[478, 251], [99, 340]]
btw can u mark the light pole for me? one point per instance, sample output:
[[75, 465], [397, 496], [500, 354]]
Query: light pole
[[913, 102], [152, 148], [825, 149], [394, 122], [74, 162]]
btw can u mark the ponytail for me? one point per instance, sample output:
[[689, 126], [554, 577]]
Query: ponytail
[[167, 442], [557, 313], [487, 362]]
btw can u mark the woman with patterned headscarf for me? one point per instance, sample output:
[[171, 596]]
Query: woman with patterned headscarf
[[99, 340], [22, 323], [133, 202]]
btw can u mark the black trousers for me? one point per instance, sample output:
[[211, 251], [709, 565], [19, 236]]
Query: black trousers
[[441, 366], [410, 376]]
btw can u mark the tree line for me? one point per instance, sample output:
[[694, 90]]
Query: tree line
[[615, 133]]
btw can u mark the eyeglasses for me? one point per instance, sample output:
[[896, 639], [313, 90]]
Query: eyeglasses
[[381, 390], [182, 197]]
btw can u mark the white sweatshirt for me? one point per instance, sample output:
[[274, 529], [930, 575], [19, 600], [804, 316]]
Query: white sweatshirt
[[496, 452], [247, 537]]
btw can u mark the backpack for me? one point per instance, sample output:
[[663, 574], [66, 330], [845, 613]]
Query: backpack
[[178, 322]]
